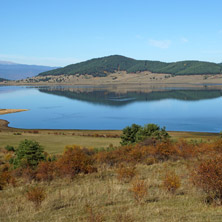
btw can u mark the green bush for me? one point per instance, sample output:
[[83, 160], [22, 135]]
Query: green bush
[[136, 133], [28, 154], [129, 134], [10, 148]]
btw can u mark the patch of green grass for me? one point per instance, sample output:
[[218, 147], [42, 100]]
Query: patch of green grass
[[193, 135], [56, 143]]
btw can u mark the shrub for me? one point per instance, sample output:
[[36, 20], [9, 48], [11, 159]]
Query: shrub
[[171, 182], [2, 180], [152, 131], [129, 134], [36, 195], [139, 190], [166, 150], [186, 149], [74, 161], [136, 133], [10, 148], [126, 173], [28, 154], [29, 174], [208, 176], [45, 171], [17, 134]]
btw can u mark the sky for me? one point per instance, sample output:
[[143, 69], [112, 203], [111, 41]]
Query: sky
[[63, 32]]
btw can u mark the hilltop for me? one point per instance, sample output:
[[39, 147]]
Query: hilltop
[[101, 67]]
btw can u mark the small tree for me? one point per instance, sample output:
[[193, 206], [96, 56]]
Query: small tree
[[151, 131], [28, 154], [136, 133], [129, 134]]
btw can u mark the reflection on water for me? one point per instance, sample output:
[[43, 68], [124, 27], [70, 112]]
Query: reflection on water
[[122, 97], [62, 107]]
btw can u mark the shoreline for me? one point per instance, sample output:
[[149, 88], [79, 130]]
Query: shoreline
[[119, 78], [4, 126]]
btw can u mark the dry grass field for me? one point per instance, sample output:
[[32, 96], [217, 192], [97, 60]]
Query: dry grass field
[[122, 79], [102, 197], [132, 189]]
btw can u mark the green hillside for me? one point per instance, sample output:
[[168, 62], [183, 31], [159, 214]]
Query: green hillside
[[110, 64]]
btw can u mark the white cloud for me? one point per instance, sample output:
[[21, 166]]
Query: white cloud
[[47, 61], [184, 40], [162, 44]]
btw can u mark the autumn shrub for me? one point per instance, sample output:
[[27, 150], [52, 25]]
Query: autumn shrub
[[217, 145], [208, 177], [150, 161], [114, 156], [126, 173], [45, 171], [35, 131], [139, 189], [6, 176], [171, 182], [74, 161], [139, 153], [29, 174], [166, 150], [3, 181], [36, 195], [187, 150]]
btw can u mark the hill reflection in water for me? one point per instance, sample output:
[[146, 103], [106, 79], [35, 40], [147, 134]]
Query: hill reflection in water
[[112, 97]]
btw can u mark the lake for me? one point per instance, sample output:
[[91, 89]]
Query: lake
[[65, 107]]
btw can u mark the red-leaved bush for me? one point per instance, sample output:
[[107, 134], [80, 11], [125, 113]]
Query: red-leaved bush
[[45, 171], [74, 161], [208, 176]]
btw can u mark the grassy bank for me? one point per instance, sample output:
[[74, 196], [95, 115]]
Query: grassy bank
[[54, 141]]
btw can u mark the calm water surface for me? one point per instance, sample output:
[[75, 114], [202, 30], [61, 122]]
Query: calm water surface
[[86, 108]]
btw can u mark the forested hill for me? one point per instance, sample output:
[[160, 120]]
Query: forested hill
[[2, 80], [110, 64]]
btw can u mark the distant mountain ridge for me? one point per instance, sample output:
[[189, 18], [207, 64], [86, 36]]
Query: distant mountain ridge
[[14, 71], [101, 67], [7, 63]]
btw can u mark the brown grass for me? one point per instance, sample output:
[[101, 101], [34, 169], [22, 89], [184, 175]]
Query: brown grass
[[100, 196]]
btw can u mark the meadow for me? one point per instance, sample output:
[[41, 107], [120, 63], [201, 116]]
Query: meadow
[[141, 182], [54, 141]]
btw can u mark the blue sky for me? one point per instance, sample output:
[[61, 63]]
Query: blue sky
[[62, 32]]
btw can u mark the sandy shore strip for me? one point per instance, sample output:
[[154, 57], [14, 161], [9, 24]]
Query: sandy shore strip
[[7, 111]]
